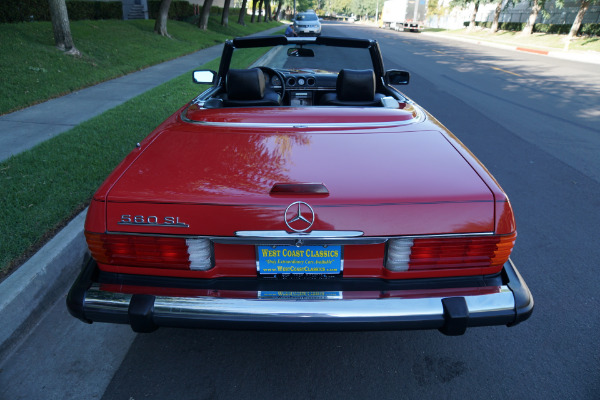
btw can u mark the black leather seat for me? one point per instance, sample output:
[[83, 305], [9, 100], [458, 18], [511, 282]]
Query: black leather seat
[[246, 88], [354, 87]]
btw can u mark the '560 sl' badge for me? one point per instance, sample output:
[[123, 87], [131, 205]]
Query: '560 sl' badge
[[173, 222]]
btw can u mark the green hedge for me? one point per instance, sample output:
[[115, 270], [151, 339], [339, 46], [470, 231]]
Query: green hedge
[[560, 29], [590, 30], [38, 10], [179, 10], [184, 11], [79, 10], [504, 26]]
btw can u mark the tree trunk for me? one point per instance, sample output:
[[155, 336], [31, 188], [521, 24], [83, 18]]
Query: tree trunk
[[225, 15], [585, 4], [160, 26], [535, 10], [203, 21], [496, 17], [254, 2], [242, 13], [278, 12], [61, 27], [260, 6], [473, 17], [268, 16]]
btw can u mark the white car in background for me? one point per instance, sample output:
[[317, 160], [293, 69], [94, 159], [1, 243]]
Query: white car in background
[[307, 24]]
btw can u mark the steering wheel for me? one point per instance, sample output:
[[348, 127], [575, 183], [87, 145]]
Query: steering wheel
[[271, 71]]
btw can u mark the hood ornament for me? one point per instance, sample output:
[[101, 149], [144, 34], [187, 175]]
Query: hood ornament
[[299, 216]]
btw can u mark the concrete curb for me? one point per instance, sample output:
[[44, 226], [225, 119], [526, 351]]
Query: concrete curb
[[591, 57], [29, 292]]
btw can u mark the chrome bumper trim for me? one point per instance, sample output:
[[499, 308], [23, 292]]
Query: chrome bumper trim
[[289, 310], [511, 304]]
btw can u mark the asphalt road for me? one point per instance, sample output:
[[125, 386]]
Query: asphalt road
[[533, 121]]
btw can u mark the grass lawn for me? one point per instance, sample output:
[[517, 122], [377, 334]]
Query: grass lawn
[[542, 41], [33, 70], [43, 188]]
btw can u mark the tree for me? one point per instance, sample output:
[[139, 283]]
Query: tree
[[260, 7], [254, 3], [465, 4], [160, 26], [583, 7], [61, 27], [434, 8], [341, 6], [278, 12], [242, 13], [536, 7], [268, 16], [204, 14], [474, 16], [225, 14], [496, 16], [363, 7]]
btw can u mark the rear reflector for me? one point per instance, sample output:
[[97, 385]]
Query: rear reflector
[[200, 254], [398, 255], [150, 251], [416, 254]]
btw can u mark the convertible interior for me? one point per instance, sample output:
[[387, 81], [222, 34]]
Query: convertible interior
[[255, 88], [289, 85]]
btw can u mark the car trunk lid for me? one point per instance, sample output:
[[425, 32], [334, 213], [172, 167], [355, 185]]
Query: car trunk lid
[[216, 181]]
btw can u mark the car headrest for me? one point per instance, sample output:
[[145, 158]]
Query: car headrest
[[245, 84], [355, 85]]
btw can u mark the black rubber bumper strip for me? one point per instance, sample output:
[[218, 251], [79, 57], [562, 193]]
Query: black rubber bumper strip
[[145, 312]]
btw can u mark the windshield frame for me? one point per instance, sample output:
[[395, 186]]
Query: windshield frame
[[273, 41]]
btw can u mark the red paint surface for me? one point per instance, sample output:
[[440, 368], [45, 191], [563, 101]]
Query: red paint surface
[[386, 175]]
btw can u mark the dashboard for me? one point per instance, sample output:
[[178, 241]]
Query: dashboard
[[300, 88]]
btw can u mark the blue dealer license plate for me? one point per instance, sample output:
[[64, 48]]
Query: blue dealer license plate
[[323, 260]]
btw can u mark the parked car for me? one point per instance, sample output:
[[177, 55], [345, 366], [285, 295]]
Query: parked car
[[306, 193], [307, 24]]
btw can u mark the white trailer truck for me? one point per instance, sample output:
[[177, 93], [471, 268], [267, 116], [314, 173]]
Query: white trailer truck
[[407, 15]]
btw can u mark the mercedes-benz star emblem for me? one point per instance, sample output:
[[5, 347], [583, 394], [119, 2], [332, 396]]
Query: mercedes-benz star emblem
[[299, 216]]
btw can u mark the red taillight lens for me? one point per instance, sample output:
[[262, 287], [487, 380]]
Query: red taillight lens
[[148, 251], [449, 253]]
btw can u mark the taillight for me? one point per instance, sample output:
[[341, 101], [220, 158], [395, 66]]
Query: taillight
[[418, 254], [151, 251]]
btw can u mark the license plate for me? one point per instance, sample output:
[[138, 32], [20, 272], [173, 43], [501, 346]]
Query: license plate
[[310, 260], [280, 295]]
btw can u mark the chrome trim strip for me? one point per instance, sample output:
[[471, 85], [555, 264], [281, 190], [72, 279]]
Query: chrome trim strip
[[283, 237], [346, 234], [106, 301], [219, 308], [504, 300], [420, 117], [296, 235], [304, 125], [299, 238]]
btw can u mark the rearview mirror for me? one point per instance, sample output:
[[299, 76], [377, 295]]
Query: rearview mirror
[[204, 77], [397, 77], [300, 52]]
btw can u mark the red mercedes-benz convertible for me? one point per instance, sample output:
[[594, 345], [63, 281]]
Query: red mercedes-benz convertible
[[302, 193]]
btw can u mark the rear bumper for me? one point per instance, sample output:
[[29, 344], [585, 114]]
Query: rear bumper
[[507, 301]]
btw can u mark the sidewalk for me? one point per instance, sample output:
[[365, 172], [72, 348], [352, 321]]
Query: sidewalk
[[592, 57], [23, 129], [32, 289]]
